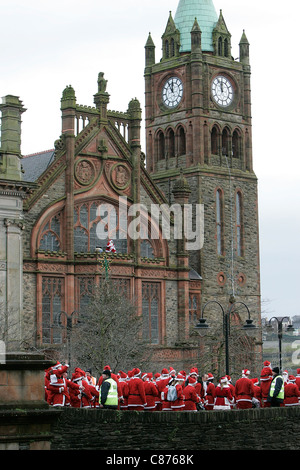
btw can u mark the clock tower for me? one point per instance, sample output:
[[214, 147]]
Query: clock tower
[[198, 123]]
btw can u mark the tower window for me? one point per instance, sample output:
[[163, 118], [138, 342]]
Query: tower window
[[214, 141], [171, 143], [161, 146], [182, 141], [236, 144]]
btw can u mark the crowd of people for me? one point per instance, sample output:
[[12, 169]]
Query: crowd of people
[[169, 390]]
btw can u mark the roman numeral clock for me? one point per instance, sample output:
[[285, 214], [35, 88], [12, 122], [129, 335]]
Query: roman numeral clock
[[222, 91], [172, 92]]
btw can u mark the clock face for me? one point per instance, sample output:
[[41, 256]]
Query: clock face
[[172, 92], [222, 91]]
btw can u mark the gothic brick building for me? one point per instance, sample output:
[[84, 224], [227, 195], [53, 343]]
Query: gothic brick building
[[198, 152]]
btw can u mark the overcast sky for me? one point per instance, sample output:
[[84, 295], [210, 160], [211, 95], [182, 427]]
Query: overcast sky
[[49, 44]]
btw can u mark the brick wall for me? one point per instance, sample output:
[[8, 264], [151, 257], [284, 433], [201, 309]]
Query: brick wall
[[257, 429]]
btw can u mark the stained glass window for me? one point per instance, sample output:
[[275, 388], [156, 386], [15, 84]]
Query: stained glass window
[[51, 306], [50, 237], [151, 311]]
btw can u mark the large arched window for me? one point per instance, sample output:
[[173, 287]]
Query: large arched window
[[50, 239], [95, 222], [219, 222]]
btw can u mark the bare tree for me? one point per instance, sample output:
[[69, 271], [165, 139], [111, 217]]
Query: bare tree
[[108, 331]]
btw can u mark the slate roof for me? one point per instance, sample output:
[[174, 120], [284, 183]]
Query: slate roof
[[35, 164]]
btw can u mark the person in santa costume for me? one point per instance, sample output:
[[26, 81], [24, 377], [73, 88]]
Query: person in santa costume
[[266, 377], [161, 385], [151, 391], [223, 399], [136, 396], [244, 391], [51, 378], [166, 403], [257, 393], [191, 397], [291, 392], [209, 392], [58, 388], [178, 404], [285, 376], [124, 390]]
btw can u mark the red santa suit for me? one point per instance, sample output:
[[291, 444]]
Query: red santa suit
[[151, 392], [257, 392], [291, 392], [244, 391], [190, 395], [209, 393], [136, 397], [266, 378], [223, 398], [161, 385], [123, 398], [60, 393]]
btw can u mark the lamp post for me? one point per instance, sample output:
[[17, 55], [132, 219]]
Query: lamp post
[[68, 326], [249, 326], [290, 328]]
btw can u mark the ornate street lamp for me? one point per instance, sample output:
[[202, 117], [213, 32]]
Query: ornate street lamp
[[289, 329], [248, 327], [68, 325]]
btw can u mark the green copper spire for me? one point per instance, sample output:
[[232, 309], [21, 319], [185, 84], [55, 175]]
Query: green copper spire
[[207, 19]]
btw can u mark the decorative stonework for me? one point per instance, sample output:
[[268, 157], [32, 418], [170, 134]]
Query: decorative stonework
[[120, 176], [84, 172]]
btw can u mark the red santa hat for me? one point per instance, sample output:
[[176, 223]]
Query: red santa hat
[[57, 365], [157, 376], [129, 374], [210, 376], [107, 368], [79, 374], [150, 376], [182, 372], [136, 372], [164, 373], [123, 375], [292, 378], [245, 372], [172, 371], [255, 381], [224, 380], [110, 247], [298, 372], [180, 377], [144, 376], [194, 371], [267, 364]]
